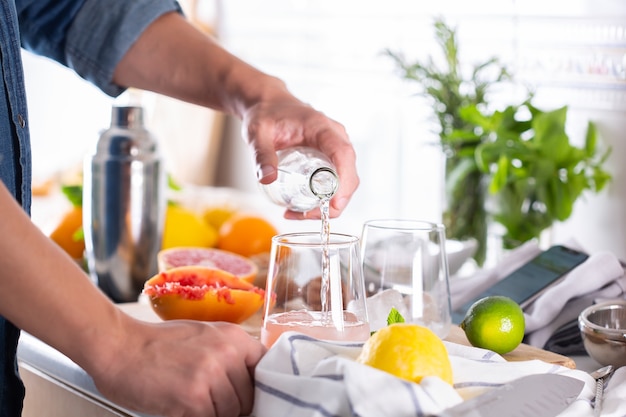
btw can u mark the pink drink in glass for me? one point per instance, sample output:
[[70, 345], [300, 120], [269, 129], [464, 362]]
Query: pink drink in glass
[[312, 323]]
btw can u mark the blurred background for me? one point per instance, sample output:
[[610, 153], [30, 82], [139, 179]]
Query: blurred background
[[330, 53]]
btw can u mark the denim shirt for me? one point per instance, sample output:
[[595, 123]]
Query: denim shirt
[[89, 36]]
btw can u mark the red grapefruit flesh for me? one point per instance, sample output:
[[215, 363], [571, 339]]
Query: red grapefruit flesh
[[201, 293], [237, 265]]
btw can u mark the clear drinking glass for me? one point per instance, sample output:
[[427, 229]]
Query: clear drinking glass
[[315, 288], [409, 256]]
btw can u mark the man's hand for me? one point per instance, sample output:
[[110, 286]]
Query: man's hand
[[286, 122], [183, 368]]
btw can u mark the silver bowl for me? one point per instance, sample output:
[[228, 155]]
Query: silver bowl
[[603, 330]]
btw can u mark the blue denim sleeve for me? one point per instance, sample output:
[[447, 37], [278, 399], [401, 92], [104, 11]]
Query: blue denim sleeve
[[89, 36]]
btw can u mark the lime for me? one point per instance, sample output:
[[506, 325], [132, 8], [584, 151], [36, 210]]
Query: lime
[[408, 351], [495, 323]]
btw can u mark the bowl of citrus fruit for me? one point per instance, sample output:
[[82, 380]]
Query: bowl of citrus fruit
[[209, 263], [207, 267]]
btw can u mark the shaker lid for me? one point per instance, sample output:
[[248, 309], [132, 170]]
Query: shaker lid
[[127, 137], [127, 116]]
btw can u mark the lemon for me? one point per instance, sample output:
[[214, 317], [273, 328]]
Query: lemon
[[495, 323], [216, 216], [184, 227], [408, 351]]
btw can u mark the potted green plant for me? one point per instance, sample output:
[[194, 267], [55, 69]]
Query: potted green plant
[[515, 167], [450, 89], [536, 174]]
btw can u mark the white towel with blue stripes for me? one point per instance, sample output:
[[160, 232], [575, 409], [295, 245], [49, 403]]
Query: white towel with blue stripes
[[304, 377]]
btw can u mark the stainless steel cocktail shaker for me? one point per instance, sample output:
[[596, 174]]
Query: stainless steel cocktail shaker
[[123, 206]]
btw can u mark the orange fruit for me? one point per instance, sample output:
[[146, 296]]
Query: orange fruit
[[43, 188], [200, 293], [246, 235], [237, 265], [67, 233]]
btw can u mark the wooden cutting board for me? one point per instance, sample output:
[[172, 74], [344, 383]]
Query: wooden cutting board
[[142, 311], [523, 352]]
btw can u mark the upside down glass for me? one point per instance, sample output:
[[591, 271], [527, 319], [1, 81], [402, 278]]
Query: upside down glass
[[409, 256], [315, 289]]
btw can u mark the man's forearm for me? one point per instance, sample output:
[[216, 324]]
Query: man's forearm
[[187, 64], [63, 306]]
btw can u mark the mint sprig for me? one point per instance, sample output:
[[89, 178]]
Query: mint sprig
[[394, 317]]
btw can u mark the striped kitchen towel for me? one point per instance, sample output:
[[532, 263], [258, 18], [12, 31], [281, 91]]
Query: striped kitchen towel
[[304, 377]]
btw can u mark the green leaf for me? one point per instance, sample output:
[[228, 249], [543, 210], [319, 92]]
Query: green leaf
[[172, 184], [394, 317], [542, 170], [550, 136], [471, 114], [483, 156], [500, 175], [74, 194], [591, 139], [78, 235], [600, 178], [455, 178]]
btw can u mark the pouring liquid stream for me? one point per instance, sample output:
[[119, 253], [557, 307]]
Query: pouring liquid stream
[[326, 276]]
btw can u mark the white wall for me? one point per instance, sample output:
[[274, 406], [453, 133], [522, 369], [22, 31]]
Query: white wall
[[66, 115]]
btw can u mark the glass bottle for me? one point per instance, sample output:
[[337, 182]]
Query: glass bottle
[[306, 177]]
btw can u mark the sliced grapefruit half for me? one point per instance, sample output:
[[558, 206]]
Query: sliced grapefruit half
[[238, 265], [201, 293]]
